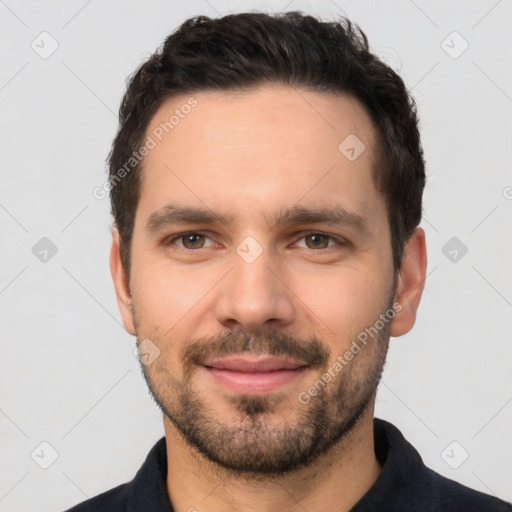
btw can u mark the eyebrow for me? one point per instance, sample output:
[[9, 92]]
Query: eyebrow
[[171, 214], [337, 215]]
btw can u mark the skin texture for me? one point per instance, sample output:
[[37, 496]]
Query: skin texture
[[247, 157]]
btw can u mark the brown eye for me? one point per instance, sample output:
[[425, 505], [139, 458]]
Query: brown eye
[[192, 241], [317, 241]]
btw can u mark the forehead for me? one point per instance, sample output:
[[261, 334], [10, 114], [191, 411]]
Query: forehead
[[271, 144]]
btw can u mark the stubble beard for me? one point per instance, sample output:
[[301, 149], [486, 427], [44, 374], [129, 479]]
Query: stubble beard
[[256, 441]]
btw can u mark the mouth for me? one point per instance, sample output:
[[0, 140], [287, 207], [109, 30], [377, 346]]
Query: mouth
[[254, 375]]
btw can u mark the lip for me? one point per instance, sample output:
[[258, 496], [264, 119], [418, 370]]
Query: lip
[[255, 364], [255, 375]]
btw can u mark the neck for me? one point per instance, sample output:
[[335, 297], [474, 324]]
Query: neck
[[335, 481]]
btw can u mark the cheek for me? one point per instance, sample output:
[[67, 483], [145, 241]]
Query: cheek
[[345, 302], [168, 296], [162, 303]]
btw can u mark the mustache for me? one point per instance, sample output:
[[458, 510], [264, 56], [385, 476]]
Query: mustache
[[272, 341]]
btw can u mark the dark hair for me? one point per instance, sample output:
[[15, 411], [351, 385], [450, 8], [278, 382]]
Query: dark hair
[[242, 51]]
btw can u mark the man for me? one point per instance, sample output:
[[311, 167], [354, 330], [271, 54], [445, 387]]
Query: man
[[266, 185]]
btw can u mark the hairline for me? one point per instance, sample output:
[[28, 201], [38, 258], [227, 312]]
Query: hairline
[[378, 163]]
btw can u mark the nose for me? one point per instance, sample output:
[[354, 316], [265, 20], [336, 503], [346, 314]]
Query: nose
[[255, 296]]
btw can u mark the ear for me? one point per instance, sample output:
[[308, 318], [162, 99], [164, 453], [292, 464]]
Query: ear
[[411, 281], [121, 284]]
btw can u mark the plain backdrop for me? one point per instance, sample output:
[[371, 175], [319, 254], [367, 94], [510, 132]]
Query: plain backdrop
[[69, 378]]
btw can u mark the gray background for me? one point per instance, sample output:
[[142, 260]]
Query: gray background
[[68, 374]]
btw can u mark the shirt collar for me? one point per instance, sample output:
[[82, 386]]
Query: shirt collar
[[148, 490], [400, 464]]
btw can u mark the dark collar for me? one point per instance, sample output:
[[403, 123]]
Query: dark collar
[[148, 490]]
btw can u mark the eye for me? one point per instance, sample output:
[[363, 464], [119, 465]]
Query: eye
[[188, 241], [318, 241]]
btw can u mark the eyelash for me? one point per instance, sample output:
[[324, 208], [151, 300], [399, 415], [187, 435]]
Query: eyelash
[[338, 241]]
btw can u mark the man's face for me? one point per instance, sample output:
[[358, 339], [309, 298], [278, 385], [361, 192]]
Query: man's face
[[276, 277]]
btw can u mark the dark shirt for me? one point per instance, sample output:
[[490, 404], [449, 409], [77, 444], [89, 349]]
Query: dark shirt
[[405, 484]]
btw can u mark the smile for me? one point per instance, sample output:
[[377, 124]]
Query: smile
[[254, 375]]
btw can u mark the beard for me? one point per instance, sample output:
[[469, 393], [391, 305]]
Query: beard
[[256, 440]]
